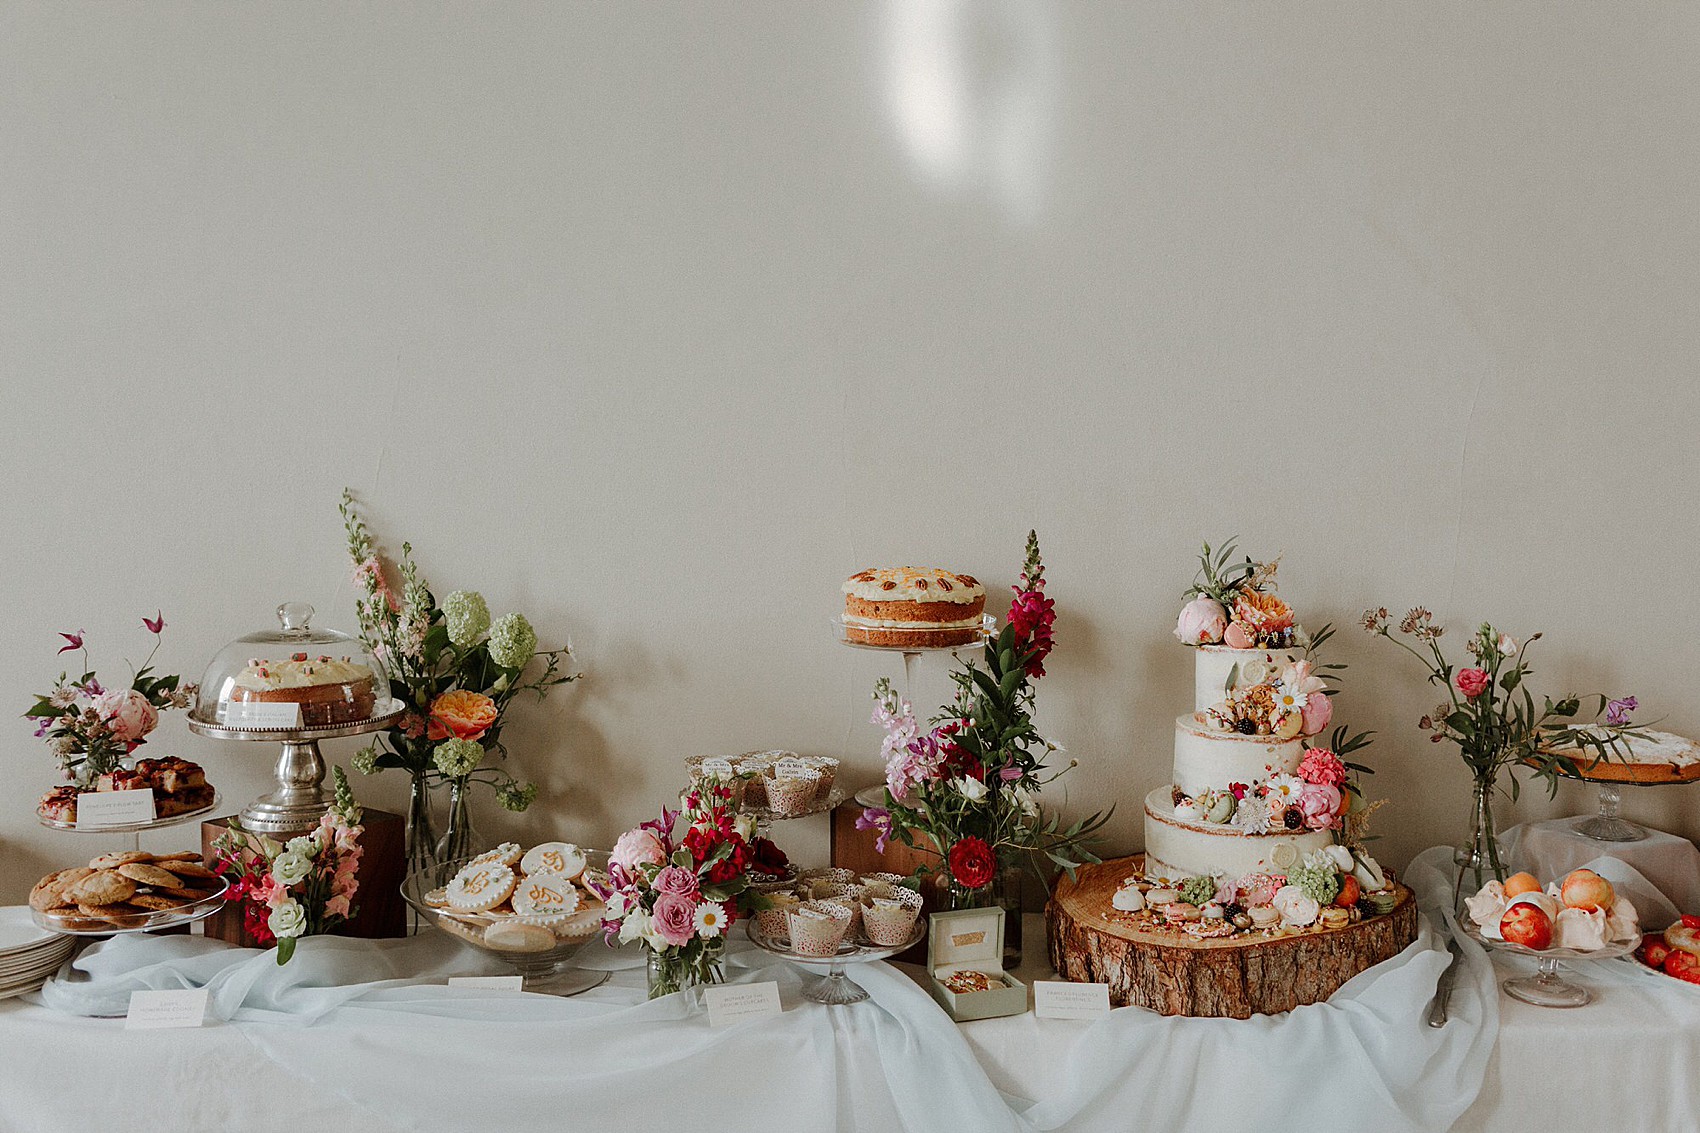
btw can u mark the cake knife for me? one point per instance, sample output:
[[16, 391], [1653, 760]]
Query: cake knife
[[1443, 990]]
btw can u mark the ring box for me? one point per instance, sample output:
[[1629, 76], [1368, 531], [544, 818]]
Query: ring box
[[971, 940]]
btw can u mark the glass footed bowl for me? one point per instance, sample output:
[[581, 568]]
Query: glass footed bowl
[[546, 970], [1546, 988], [296, 676]]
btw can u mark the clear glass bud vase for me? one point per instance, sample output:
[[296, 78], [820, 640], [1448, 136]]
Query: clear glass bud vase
[[688, 971], [459, 839], [1478, 859]]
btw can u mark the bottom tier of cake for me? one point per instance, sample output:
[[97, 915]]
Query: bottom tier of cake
[[1176, 847]]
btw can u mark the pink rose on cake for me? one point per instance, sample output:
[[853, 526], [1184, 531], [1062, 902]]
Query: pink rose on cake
[[637, 847], [674, 919], [1203, 621], [127, 713]]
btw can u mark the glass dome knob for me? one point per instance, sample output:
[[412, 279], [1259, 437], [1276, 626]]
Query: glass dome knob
[[295, 616]]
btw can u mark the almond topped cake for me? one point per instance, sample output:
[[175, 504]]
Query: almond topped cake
[[915, 607]]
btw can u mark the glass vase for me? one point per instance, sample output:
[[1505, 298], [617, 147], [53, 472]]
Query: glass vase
[[421, 829], [1478, 859], [686, 970], [459, 839]]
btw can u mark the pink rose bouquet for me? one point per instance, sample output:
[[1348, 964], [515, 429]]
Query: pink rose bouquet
[[303, 887], [91, 729], [679, 897]]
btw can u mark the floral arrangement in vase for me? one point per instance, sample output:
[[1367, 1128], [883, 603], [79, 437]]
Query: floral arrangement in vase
[[91, 729], [1493, 718], [679, 897], [303, 887], [969, 783], [457, 671]]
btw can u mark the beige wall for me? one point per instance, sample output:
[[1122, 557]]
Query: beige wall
[[656, 322]]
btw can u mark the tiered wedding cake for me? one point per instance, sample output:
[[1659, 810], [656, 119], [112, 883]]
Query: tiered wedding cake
[[1236, 796]]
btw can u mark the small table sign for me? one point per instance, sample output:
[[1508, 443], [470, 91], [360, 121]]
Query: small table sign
[[114, 808], [733, 1003], [501, 983], [155, 1010], [1060, 999]]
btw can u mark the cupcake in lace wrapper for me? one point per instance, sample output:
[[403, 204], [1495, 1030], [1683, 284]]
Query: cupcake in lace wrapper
[[828, 769], [775, 921], [889, 920], [794, 793], [818, 927]]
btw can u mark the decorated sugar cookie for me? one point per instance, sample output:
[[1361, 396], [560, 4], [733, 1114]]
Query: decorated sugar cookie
[[506, 854], [545, 895], [561, 858], [480, 887]]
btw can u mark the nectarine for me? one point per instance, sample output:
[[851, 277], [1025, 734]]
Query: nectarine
[[1525, 924], [1521, 883], [1585, 889]]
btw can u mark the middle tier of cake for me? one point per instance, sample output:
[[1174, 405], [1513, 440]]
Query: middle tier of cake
[[1177, 847], [1206, 759]]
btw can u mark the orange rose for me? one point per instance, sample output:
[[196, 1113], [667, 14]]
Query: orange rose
[[461, 714], [1262, 612]]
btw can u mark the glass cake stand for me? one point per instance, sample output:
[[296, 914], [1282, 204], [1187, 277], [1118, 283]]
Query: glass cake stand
[[1546, 988], [129, 827], [834, 987], [80, 924], [1607, 826]]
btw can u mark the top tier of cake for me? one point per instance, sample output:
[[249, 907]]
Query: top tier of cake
[[1215, 664]]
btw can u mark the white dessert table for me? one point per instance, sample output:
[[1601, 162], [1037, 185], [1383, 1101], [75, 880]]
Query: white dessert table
[[1553, 848], [347, 1037]]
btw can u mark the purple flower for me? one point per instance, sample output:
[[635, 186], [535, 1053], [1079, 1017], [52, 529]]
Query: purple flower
[[1617, 712], [1010, 774], [75, 639], [156, 623], [877, 819], [43, 723], [92, 689]]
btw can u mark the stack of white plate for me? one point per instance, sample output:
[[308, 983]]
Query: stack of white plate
[[28, 953]]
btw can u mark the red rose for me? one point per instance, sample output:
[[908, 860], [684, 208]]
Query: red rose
[[972, 863], [1471, 682]]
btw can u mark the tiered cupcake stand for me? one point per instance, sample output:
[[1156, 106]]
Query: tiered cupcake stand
[[833, 986]]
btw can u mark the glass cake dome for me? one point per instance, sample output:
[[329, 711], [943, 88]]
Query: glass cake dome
[[296, 676]]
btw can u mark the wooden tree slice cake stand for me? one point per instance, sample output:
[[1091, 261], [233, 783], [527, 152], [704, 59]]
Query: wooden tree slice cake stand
[[1235, 977]]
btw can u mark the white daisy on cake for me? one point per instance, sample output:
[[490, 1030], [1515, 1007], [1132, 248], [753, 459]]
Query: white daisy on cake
[[1283, 790], [710, 919]]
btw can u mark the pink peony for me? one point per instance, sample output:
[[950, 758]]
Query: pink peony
[[1236, 636], [1471, 682], [638, 847], [127, 713], [674, 919], [1318, 711], [1202, 622], [1319, 803], [1322, 766], [678, 881]]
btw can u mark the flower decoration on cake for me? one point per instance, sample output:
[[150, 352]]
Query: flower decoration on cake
[[968, 783], [1234, 604], [680, 896], [91, 729]]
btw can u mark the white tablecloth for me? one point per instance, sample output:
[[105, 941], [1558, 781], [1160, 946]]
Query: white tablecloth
[[342, 1038], [1552, 849]]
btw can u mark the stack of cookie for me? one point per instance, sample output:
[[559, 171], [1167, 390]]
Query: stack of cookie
[[128, 889], [513, 901]]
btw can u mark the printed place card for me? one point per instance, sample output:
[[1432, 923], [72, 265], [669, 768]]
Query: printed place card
[[717, 768], [114, 808], [505, 983], [262, 714], [733, 1003], [1059, 999], [153, 1010]]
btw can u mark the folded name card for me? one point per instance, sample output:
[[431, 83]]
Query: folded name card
[[262, 714], [114, 808], [153, 1010], [508, 983], [733, 1003], [1059, 999]]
